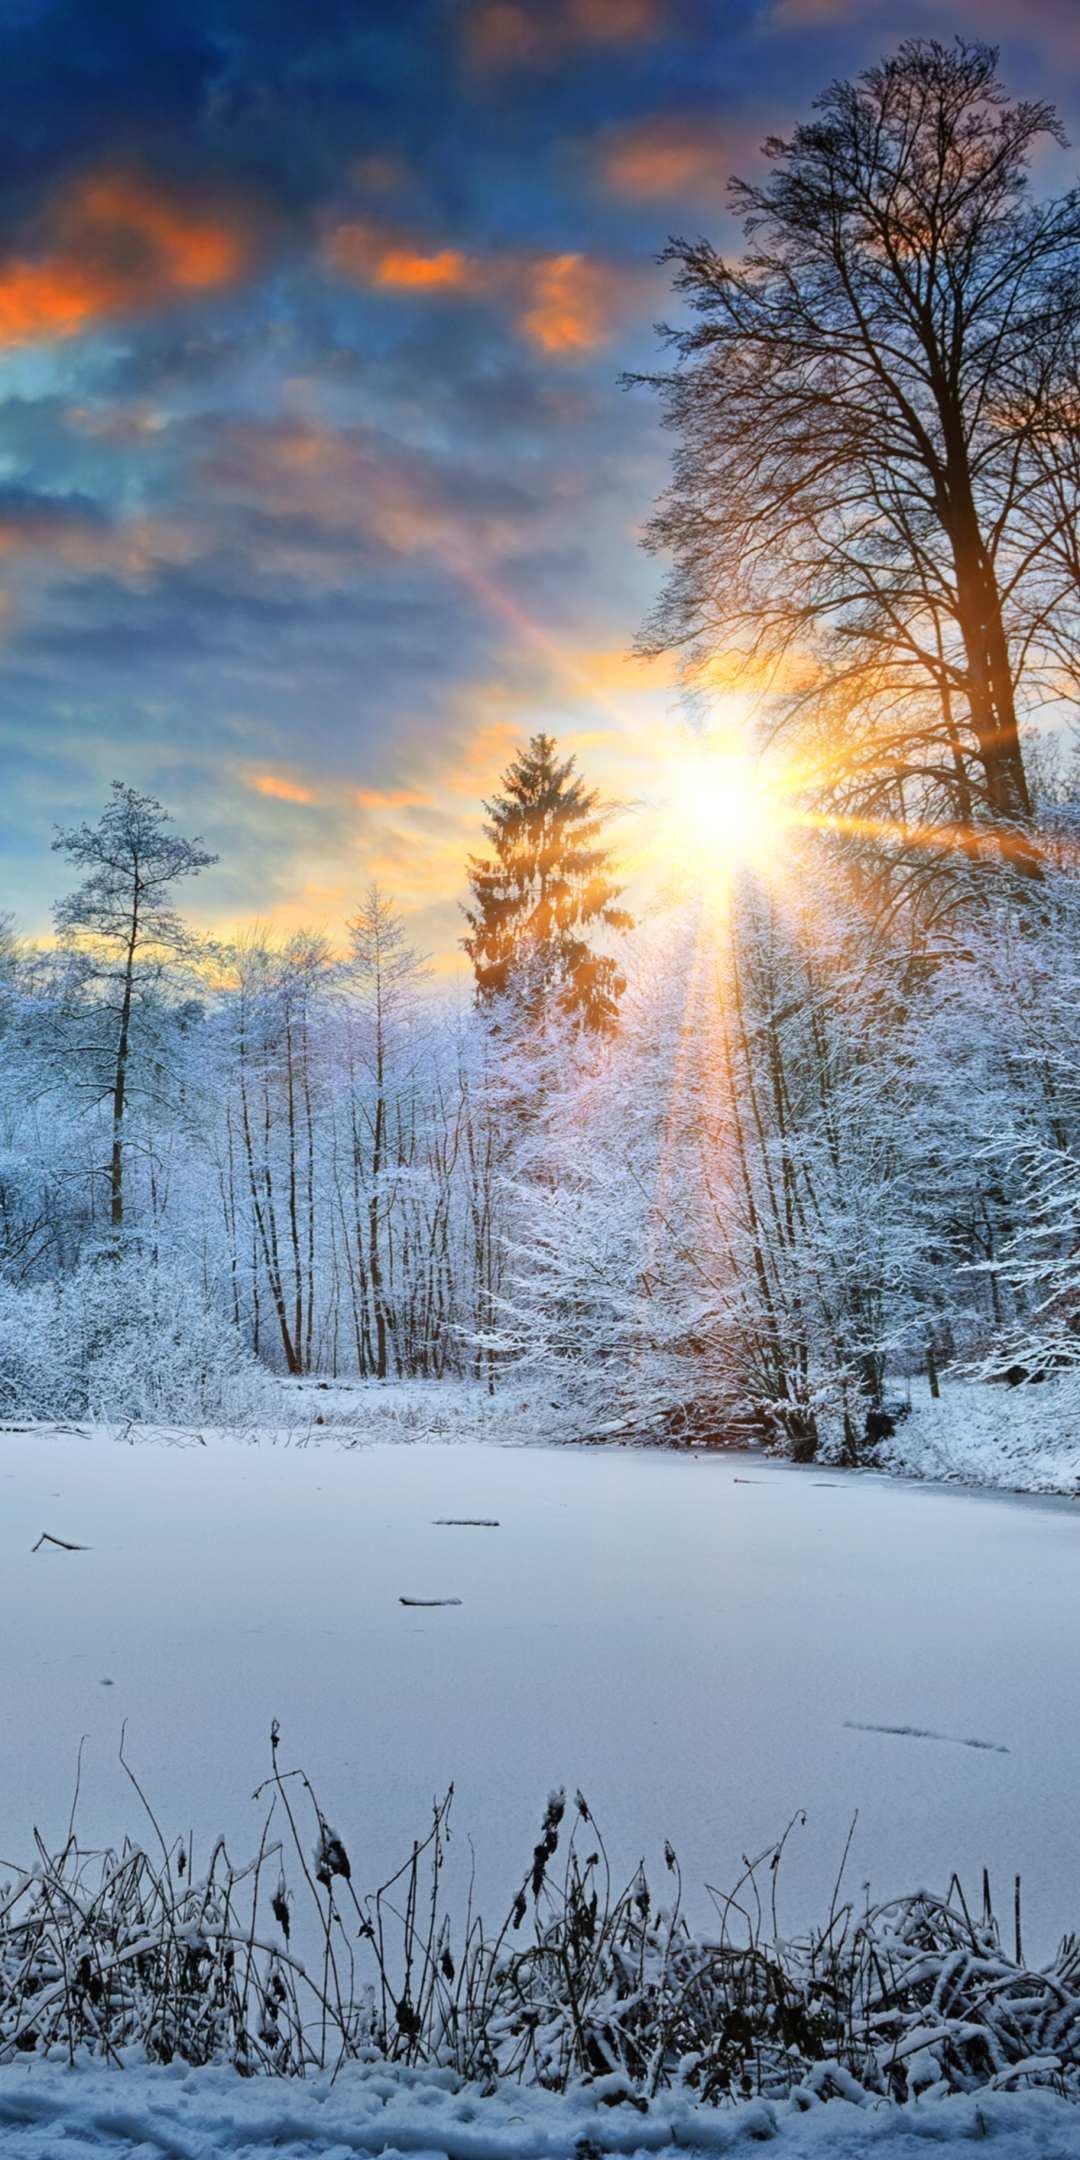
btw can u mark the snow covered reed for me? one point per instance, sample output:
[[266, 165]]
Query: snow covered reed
[[280, 1968]]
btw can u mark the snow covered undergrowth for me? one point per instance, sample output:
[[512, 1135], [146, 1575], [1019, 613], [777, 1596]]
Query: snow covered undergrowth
[[120, 1339], [1010, 1439], [1006, 1439], [1022, 1439], [85, 2112], [1014, 1439]]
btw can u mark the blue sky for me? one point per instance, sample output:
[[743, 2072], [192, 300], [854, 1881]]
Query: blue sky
[[318, 491]]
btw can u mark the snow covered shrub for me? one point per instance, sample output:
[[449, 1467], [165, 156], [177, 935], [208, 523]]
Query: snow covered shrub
[[584, 1986], [122, 1338]]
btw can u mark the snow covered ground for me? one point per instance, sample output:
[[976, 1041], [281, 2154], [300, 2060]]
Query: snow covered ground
[[1015, 1439], [48, 2112], [704, 1643], [1010, 1439]]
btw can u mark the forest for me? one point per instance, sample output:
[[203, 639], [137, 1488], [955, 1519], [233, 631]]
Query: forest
[[809, 1124], [812, 1154]]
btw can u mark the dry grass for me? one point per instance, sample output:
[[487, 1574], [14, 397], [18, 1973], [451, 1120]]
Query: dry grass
[[124, 1956]]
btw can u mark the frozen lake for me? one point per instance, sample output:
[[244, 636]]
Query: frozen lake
[[698, 1642]]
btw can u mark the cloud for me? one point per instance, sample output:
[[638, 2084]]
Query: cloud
[[401, 268], [671, 156], [283, 790], [799, 13], [403, 799], [624, 671], [379, 174], [540, 33], [483, 756], [114, 243], [570, 306], [74, 533], [376, 257], [314, 487], [563, 304]]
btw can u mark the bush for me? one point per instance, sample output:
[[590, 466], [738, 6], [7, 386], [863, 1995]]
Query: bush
[[124, 1339]]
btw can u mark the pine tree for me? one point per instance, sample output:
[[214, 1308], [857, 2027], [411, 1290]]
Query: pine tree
[[549, 880]]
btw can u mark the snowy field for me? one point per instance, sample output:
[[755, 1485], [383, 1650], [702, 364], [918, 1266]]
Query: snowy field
[[49, 2113], [704, 1643]]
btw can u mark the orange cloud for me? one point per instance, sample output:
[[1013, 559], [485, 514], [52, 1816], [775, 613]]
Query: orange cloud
[[563, 302], [283, 790], [658, 159], [369, 799], [446, 271], [117, 243], [377, 257], [157, 238], [515, 33], [568, 310], [487, 753]]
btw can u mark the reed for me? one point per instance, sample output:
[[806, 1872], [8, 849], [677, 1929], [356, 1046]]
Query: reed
[[280, 1967]]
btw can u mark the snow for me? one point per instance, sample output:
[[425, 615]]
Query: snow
[[704, 1643], [47, 2109], [700, 1643], [1013, 1439]]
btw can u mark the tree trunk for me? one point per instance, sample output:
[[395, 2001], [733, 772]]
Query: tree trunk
[[989, 685], [116, 1164]]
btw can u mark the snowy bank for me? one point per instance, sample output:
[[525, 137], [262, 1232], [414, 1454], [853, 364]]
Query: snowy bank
[[1010, 1439], [1014, 1439], [86, 2112]]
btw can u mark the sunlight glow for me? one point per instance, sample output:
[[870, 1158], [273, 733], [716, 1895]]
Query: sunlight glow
[[723, 810]]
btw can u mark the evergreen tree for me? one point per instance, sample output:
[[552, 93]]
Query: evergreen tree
[[549, 880]]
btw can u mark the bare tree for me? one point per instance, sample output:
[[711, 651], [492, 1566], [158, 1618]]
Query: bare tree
[[121, 922], [274, 1004], [853, 500], [386, 972]]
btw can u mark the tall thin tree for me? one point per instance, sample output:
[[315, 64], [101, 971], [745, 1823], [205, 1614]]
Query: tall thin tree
[[123, 925]]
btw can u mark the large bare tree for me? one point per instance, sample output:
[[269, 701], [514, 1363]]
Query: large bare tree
[[856, 515]]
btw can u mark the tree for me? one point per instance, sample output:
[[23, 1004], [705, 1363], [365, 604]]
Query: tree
[[854, 501], [549, 880], [383, 1117], [122, 926]]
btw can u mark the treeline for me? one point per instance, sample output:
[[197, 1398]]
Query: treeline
[[306, 1136], [832, 1139]]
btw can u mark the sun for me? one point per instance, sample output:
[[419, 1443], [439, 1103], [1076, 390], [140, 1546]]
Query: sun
[[722, 809]]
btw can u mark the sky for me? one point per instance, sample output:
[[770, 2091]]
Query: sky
[[319, 488]]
